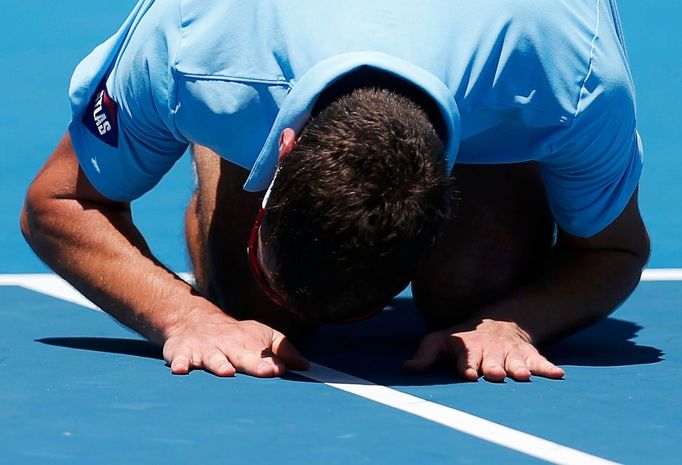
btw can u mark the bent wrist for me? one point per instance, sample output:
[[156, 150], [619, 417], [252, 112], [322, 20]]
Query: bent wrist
[[190, 312], [502, 328]]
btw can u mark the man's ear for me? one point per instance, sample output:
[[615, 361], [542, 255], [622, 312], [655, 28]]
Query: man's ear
[[287, 142]]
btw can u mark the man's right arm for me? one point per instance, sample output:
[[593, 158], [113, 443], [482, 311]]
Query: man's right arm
[[93, 243]]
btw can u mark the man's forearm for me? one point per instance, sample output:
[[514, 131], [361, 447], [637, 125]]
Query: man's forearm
[[575, 288], [103, 255], [92, 242]]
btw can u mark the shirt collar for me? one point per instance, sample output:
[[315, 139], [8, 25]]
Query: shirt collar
[[299, 103]]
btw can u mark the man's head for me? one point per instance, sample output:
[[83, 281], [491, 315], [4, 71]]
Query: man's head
[[357, 202]]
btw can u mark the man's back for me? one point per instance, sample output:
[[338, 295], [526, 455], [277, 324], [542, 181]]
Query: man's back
[[529, 80]]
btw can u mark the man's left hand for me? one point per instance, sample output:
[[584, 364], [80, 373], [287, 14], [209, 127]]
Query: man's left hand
[[495, 349]]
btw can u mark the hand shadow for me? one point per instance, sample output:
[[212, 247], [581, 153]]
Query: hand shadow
[[605, 344], [134, 347]]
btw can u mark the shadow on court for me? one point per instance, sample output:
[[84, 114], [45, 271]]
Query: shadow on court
[[608, 343], [375, 349], [134, 347]]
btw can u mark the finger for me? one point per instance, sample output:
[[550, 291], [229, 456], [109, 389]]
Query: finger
[[469, 361], [288, 354], [262, 365], [540, 366], [195, 361], [426, 355], [216, 362], [492, 366], [515, 366], [180, 365]]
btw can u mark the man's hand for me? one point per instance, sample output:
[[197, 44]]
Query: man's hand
[[495, 349], [223, 346]]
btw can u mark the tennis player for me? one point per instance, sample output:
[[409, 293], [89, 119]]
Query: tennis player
[[485, 152]]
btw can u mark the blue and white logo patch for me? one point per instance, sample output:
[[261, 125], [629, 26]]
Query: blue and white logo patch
[[101, 116]]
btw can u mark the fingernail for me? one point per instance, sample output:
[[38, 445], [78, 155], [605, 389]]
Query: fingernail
[[471, 374], [265, 367]]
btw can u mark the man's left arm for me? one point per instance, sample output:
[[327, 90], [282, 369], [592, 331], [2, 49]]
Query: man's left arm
[[583, 280]]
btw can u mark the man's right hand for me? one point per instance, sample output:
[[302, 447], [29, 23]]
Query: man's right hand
[[223, 346]]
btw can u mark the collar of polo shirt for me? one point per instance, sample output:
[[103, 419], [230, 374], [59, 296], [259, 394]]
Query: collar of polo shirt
[[299, 103]]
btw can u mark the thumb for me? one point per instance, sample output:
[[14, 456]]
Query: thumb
[[288, 354], [426, 355]]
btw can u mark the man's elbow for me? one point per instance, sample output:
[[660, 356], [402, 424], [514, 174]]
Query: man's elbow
[[35, 214], [24, 224], [644, 249], [27, 217]]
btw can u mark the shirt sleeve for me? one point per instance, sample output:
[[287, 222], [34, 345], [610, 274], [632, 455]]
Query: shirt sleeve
[[595, 166], [122, 100]]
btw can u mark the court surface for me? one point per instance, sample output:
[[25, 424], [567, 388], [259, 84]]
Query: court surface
[[76, 388]]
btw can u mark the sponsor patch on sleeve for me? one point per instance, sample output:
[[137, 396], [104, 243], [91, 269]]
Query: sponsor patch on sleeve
[[100, 116]]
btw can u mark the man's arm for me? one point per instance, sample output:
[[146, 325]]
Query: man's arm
[[92, 242], [583, 281]]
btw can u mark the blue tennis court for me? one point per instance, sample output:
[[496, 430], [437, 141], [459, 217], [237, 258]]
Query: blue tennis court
[[78, 388]]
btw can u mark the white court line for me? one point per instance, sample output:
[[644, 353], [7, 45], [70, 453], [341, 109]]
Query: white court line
[[48, 284], [495, 433], [662, 274], [454, 419], [54, 286]]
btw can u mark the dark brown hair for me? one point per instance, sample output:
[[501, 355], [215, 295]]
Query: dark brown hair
[[356, 204]]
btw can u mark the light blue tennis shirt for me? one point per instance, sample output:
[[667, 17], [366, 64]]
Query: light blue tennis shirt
[[514, 81]]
